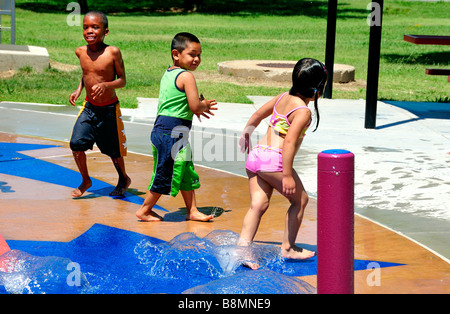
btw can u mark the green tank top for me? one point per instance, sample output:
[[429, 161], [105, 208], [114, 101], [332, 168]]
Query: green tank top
[[173, 101]]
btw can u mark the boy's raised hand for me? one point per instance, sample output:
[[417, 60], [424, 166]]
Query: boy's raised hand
[[210, 104]]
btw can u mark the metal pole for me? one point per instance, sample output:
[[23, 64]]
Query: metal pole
[[335, 222], [375, 22], [13, 22], [330, 45]]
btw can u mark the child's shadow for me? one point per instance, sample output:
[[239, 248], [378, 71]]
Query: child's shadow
[[180, 214], [5, 188], [105, 192]]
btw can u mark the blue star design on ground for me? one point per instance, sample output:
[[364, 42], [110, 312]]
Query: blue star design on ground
[[16, 164], [120, 261]]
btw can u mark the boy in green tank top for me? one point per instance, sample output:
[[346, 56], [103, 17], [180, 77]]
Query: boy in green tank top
[[173, 169]]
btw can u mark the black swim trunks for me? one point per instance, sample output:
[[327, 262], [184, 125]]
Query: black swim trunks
[[102, 125]]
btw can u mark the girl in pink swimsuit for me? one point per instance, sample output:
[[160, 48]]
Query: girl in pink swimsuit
[[270, 163]]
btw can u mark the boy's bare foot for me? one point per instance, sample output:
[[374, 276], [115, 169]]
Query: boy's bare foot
[[151, 217], [81, 189], [198, 216], [121, 188], [297, 253]]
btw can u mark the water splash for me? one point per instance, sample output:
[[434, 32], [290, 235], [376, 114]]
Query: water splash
[[214, 264], [218, 254], [133, 263], [22, 273]]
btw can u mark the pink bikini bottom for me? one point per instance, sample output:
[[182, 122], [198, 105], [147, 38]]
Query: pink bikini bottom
[[264, 158]]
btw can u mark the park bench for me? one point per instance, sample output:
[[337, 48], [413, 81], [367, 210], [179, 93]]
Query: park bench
[[430, 40], [438, 72]]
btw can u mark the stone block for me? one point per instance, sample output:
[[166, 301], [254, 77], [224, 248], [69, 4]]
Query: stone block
[[343, 73], [14, 57], [280, 71]]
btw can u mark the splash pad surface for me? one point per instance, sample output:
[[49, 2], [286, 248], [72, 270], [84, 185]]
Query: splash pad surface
[[113, 260], [109, 251]]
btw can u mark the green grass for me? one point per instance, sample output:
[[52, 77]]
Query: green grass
[[144, 39]]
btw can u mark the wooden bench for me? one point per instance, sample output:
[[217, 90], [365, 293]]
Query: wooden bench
[[427, 39], [438, 72], [430, 40]]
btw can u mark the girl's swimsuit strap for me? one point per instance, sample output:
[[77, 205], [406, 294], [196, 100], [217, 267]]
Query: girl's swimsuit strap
[[278, 101], [300, 107]]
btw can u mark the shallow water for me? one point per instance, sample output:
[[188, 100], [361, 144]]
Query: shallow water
[[215, 264], [22, 273], [187, 263]]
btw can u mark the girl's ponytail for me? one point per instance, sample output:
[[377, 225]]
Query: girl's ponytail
[[316, 109]]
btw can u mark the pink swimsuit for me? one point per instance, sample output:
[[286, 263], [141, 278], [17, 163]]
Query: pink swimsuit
[[264, 158], [270, 159]]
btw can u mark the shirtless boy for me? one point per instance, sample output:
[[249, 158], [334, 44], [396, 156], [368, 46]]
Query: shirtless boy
[[99, 120]]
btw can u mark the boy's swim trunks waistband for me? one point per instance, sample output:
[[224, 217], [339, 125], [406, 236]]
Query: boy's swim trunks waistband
[[167, 124], [102, 125], [113, 101]]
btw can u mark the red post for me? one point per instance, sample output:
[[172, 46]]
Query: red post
[[335, 222], [4, 247]]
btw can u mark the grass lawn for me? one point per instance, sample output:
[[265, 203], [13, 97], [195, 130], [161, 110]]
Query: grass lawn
[[144, 39]]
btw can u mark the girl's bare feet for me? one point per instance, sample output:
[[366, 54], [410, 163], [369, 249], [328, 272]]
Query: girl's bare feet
[[295, 252], [251, 265], [248, 256]]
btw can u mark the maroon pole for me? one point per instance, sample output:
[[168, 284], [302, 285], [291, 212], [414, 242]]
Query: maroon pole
[[335, 222]]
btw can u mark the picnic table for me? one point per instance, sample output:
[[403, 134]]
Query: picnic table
[[430, 40]]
